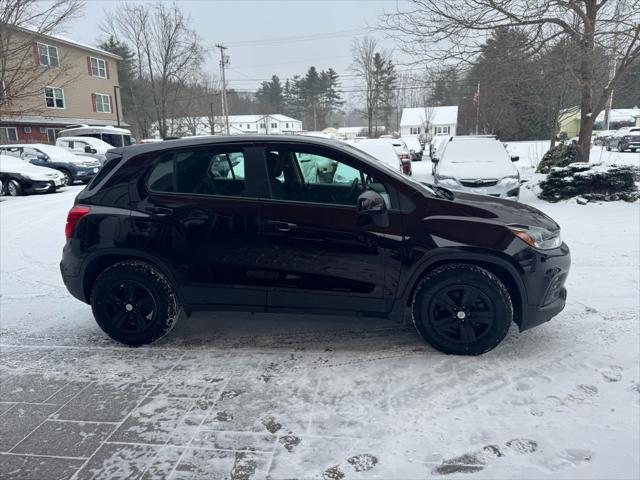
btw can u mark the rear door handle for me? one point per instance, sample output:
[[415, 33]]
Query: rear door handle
[[282, 226], [160, 211]]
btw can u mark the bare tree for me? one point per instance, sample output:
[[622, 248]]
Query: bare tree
[[168, 50], [21, 76], [454, 30]]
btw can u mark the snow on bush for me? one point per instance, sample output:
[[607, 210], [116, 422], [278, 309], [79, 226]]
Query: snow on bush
[[592, 182], [558, 156]]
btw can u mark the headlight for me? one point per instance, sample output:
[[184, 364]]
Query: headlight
[[510, 180], [446, 180], [537, 237]]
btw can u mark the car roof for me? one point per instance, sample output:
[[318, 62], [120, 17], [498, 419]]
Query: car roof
[[229, 139]]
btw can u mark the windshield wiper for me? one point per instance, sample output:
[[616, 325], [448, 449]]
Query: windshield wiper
[[440, 192]]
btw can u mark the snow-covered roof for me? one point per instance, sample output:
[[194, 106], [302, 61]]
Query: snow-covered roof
[[45, 120], [255, 118], [616, 114], [68, 41], [351, 129], [412, 117]]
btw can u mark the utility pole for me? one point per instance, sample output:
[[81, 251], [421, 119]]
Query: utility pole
[[224, 60], [476, 100]]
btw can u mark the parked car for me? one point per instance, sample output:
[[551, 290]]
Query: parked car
[[85, 146], [383, 151], [479, 165], [625, 138], [73, 167], [437, 144], [415, 148], [404, 155], [602, 137], [158, 232], [22, 178], [117, 137]]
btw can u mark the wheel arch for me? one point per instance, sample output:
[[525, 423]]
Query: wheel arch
[[97, 264], [501, 268]]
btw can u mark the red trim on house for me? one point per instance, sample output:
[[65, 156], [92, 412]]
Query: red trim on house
[[110, 103], [106, 66], [89, 65], [93, 101]]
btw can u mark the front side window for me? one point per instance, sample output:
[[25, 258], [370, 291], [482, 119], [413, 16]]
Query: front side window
[[48, 55], [310, 177], [103, 104], [98, 67], [199, 172], [54, 97]]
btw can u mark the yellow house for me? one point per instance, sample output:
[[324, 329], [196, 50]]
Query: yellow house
[[569, 122], [569, 119], [637, 120]]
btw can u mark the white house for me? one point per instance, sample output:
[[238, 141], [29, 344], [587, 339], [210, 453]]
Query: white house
[[429, 121], [269, 124], [238, 124]]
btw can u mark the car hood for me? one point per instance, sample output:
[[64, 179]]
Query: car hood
[[499, 210], [34, 172], [497, 169]]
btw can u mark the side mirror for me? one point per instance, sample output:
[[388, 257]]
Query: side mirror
[[42, 156], [515, 158], [88, 149], [372, 209], [412, 151], [435, 159]]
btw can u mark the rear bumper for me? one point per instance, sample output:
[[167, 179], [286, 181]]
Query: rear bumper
[[546, 290]]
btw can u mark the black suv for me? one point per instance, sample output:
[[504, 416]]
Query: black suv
[[304, 225]]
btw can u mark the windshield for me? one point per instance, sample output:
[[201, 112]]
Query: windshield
[[422, 187], [52, 150], [474, 151]]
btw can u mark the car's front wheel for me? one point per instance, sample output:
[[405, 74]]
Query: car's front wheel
[[134, 303], [14, 188], [462, 309]]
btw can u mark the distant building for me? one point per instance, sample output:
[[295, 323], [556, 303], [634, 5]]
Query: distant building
[[268, 124], [69, 83], [429, 121], [569, 120], [349, 133], [238, 124]]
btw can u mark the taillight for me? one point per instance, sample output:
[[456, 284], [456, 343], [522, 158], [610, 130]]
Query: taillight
[[627, 137], [73, 217], [406, 167], [404, 156]]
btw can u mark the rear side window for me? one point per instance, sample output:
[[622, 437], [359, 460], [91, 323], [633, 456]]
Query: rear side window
[[111, 163], [200, 172]]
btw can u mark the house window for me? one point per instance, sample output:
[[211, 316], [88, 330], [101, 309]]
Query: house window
[[27, 129], [414, 130], [274, 125], [48, 55], [103, 105], [98, 67], [248, 126], [286, 125], [54, 97], [444, 129], [262, 125], [8, 134], [52, 134]]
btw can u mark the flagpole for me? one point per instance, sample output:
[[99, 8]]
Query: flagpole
[[477, 99]]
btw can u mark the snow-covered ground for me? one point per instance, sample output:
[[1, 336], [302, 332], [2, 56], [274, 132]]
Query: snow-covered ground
[[277, 396]]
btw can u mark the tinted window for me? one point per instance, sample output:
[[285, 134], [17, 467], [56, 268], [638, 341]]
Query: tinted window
[[201, 171], [310, 177]]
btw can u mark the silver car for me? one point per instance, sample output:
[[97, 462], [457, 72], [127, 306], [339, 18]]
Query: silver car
[[479, 165]]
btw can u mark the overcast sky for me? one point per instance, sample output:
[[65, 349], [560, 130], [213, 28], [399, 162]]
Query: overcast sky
[[266, 37]]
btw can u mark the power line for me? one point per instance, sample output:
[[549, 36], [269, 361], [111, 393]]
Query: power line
[[298, 38]]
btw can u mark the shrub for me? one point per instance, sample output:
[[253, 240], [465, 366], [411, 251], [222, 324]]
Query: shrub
[[558, 156], [594, 182]]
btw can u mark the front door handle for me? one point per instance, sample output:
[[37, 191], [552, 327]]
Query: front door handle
[[160, 211], [282, 226]]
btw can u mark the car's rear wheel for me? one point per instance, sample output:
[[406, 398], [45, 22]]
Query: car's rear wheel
[[134, 303], [462, 309], [14, 188]]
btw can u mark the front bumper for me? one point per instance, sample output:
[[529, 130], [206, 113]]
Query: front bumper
[[510, 191], [545, 277], [629, 144], [85, 173]]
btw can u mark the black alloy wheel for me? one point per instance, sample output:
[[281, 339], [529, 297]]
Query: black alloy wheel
[[461, 313], [134, 303], [462, 309], [131, 307]]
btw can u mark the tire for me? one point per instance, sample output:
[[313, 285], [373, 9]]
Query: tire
[[445, 320], [68, 179], [608, 147], [620, 149], [134, 303], [633, 150], [14, 189]]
